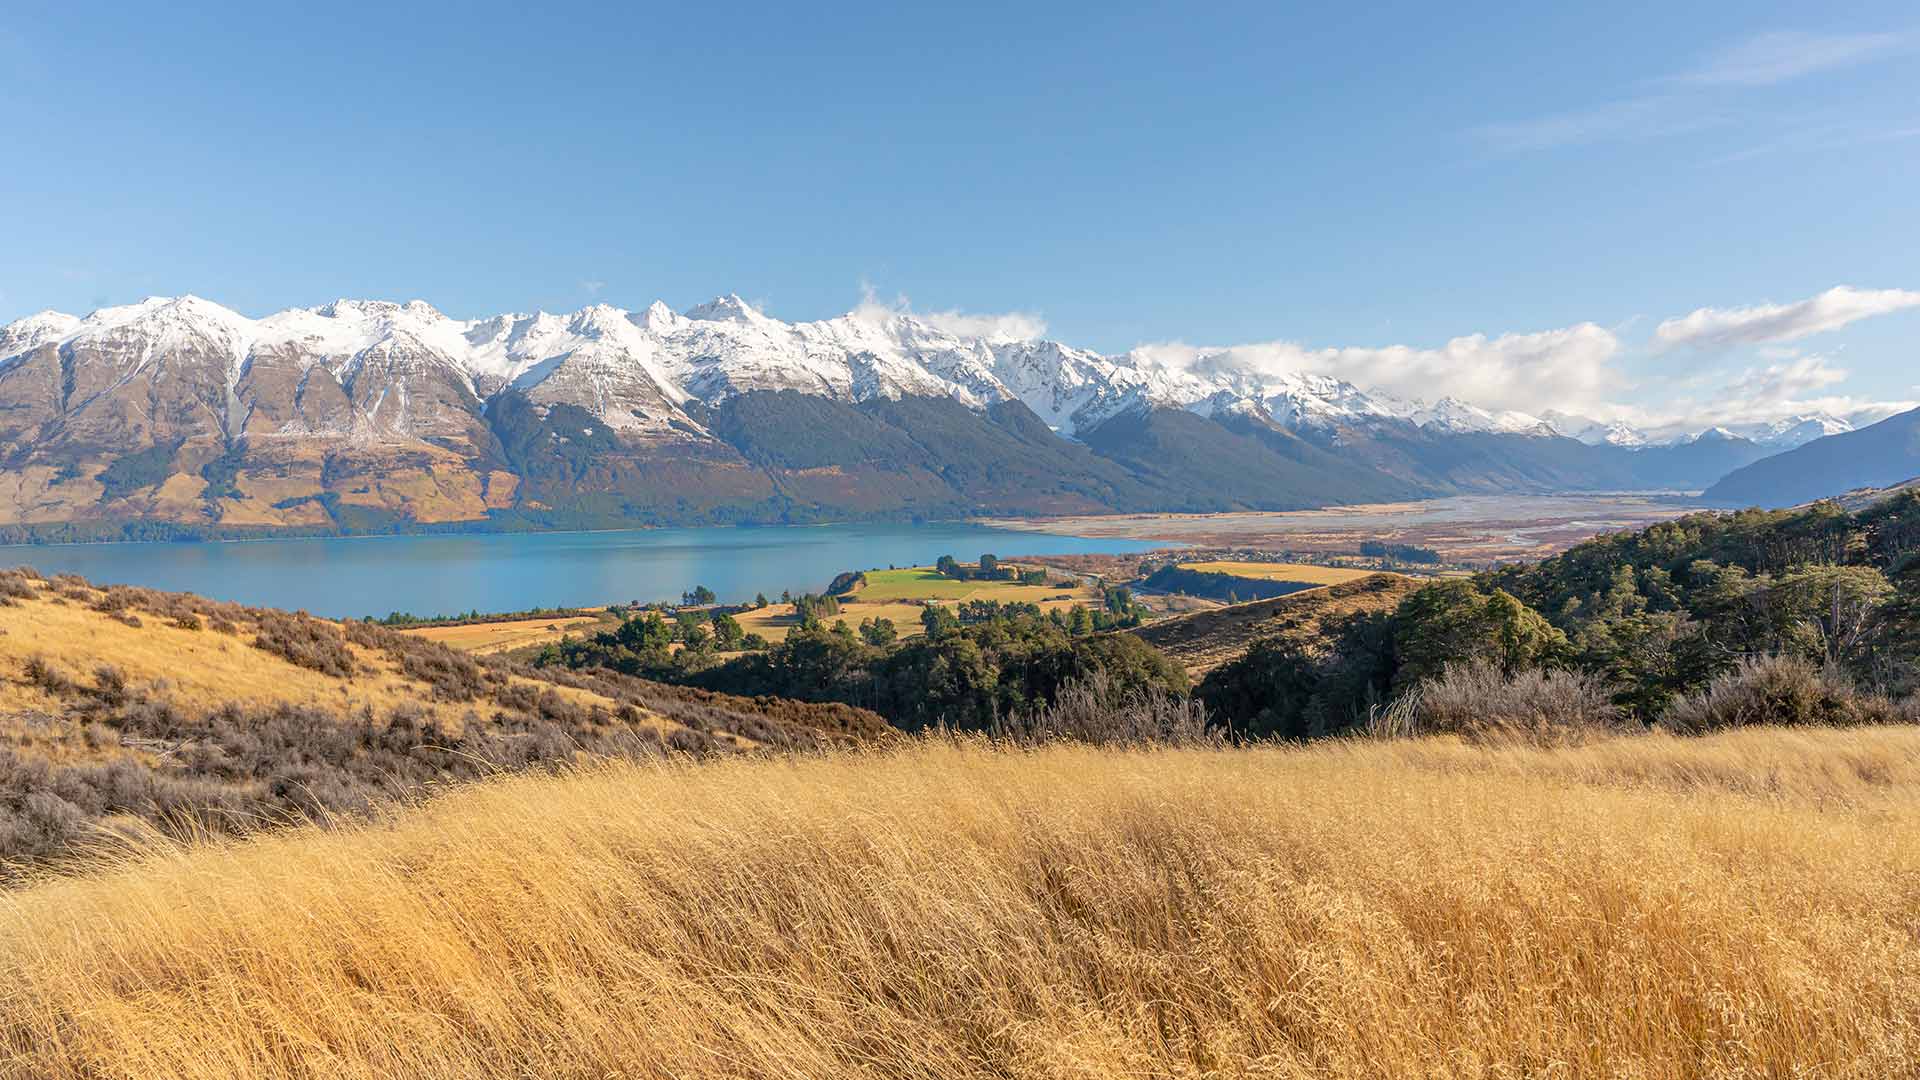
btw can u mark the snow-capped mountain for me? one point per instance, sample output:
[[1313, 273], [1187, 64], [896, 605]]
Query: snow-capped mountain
[[357, 410], [1793, 431], [1783, 434], [635, 369], [1595, 432], [1453, 415]]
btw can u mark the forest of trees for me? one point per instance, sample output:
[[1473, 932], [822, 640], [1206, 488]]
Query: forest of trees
[[1657, 618], [977, 663]]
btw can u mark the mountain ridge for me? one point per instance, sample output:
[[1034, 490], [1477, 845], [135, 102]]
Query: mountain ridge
[[1880, 455], [359, 414]]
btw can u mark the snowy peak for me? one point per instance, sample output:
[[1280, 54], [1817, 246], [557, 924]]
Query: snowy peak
[[728, 308], [636, 368], [1793, 431], [1453, 415], [1714, 434]]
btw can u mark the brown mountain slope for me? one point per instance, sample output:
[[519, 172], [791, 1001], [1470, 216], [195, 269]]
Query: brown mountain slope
[[123, 705], [1203, 640]]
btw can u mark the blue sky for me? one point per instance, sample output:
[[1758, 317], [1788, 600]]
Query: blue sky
[[1507, 203]]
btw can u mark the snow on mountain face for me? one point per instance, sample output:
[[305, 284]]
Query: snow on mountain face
[[1783, 434], [1456, 416], [637, 370], [1796, 431]]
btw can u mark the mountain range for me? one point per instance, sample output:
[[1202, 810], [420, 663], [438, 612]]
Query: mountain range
[[367, 415], [1880, 455]]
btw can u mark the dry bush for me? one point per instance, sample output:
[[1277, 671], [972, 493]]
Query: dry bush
[[40, 672], [304, 640], [770, 721], [1480, 702], [1096, 712], [15, 586], [1417, 908], [1783, 691]]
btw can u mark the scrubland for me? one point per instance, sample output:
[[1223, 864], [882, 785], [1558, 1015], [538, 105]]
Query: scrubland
[[1742, 904]]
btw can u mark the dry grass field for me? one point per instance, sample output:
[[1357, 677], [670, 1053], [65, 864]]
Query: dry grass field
[[899, 595], [1276, 571], [127, 709], [1735, 906], [200, 669]]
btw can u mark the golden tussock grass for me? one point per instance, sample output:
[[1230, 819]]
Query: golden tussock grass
[[1743, 905]]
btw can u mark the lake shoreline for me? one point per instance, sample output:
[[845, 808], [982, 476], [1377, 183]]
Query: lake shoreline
[[430, 575]]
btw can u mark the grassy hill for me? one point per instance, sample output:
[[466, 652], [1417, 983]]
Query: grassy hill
[[123, 708], [1203, 640], [1740, 905]]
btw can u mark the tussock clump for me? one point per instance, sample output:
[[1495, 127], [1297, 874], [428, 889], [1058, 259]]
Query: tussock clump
[[1785, 691], [1479, 702]]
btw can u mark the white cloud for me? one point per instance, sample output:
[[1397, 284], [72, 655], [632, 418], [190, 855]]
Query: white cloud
[[1575, 370], [1785, 381], [1004, 326], [1639, 118], [1697, 99], [1766, 59], [593, 288], [1569, 369], [1752, 395], [1764, 323]]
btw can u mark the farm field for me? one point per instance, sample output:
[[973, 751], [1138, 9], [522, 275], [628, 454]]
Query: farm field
[[1272, 571], [899, 594], [493, 637]]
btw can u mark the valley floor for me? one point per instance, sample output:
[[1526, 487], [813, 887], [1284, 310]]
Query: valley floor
[[1461, 528], [1740, 905]]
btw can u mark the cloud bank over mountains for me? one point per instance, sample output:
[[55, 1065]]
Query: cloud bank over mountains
[[1583, 369]]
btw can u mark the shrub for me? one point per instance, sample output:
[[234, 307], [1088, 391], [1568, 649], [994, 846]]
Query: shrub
[[1783, 690], [13, 587], [1480, 702], [304, 640], [41, 673], [1099, 711], [110, 684]]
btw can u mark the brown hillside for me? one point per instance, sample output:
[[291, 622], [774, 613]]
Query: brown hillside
[[120, 705], [1203, 640]]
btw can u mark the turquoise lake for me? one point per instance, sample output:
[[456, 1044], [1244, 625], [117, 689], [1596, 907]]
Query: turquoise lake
[[429, 575]]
